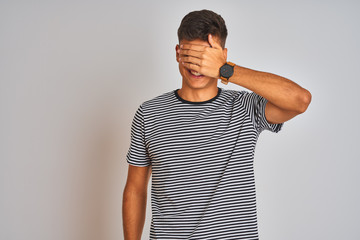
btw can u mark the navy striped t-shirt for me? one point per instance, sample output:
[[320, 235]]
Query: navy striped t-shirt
[[201, 154]]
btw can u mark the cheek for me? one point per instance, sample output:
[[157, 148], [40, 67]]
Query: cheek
[[181, 67], [183, 70]]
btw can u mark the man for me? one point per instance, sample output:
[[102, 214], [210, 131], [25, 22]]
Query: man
[[198, 142]]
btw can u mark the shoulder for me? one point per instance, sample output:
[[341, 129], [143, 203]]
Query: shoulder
[[234, 95], [243, 99], [159, 102]]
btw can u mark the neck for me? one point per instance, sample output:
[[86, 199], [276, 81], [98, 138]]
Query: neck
[[198, 95]]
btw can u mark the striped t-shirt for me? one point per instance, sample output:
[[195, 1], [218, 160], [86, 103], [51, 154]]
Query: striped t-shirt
[[202, 154]]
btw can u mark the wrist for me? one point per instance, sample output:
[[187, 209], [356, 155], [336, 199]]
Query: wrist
[[226, 71]]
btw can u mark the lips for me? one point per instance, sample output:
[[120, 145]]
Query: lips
[[195, 74]]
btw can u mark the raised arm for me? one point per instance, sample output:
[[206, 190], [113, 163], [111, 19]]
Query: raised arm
[[286, 99]]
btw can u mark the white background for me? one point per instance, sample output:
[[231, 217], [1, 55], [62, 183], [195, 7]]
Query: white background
[[72, 74]]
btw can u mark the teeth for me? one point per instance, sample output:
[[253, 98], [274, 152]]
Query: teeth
[[195, 73]]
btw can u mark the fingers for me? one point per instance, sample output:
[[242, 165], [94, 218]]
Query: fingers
[[193, 47], [191, 66], [204, 59], [190, 56], [192, 53], [189, 59]]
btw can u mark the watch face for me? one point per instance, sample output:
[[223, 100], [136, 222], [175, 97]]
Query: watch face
[[226, 71]]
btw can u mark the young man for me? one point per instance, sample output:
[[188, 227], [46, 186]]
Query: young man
[[198, 142]]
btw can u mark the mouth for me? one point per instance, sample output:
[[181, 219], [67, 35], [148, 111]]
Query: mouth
[[195, 74]]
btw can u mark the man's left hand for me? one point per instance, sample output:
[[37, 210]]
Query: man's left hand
[[205, 60]]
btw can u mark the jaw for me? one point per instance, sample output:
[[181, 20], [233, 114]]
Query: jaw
[[201, 82]]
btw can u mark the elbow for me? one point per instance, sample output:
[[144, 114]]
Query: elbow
[[304, 100]]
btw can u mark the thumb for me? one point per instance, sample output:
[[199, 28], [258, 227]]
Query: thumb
[[212, 42]]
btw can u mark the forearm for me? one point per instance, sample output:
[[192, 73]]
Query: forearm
[[278, 90], [133, 211]]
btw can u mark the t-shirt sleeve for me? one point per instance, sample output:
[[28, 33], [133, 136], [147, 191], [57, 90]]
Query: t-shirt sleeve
[[255, 107], [138, 154]]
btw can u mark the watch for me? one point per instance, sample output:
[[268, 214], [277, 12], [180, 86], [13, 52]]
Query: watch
[[226, 71]]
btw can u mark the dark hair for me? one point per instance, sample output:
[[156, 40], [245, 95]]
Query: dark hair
[[199, 24]]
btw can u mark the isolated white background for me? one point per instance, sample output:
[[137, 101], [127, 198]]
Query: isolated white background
[[72, 74]]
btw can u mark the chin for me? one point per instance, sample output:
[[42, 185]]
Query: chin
[[197, 82], [200, 83]]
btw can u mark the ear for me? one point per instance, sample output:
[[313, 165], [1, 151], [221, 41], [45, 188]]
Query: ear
[[225, 53], [176, 50]]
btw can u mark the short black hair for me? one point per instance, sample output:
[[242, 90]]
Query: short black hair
[[199, 24]]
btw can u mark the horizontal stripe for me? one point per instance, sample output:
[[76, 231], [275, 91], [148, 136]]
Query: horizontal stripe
[[203, 184]]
